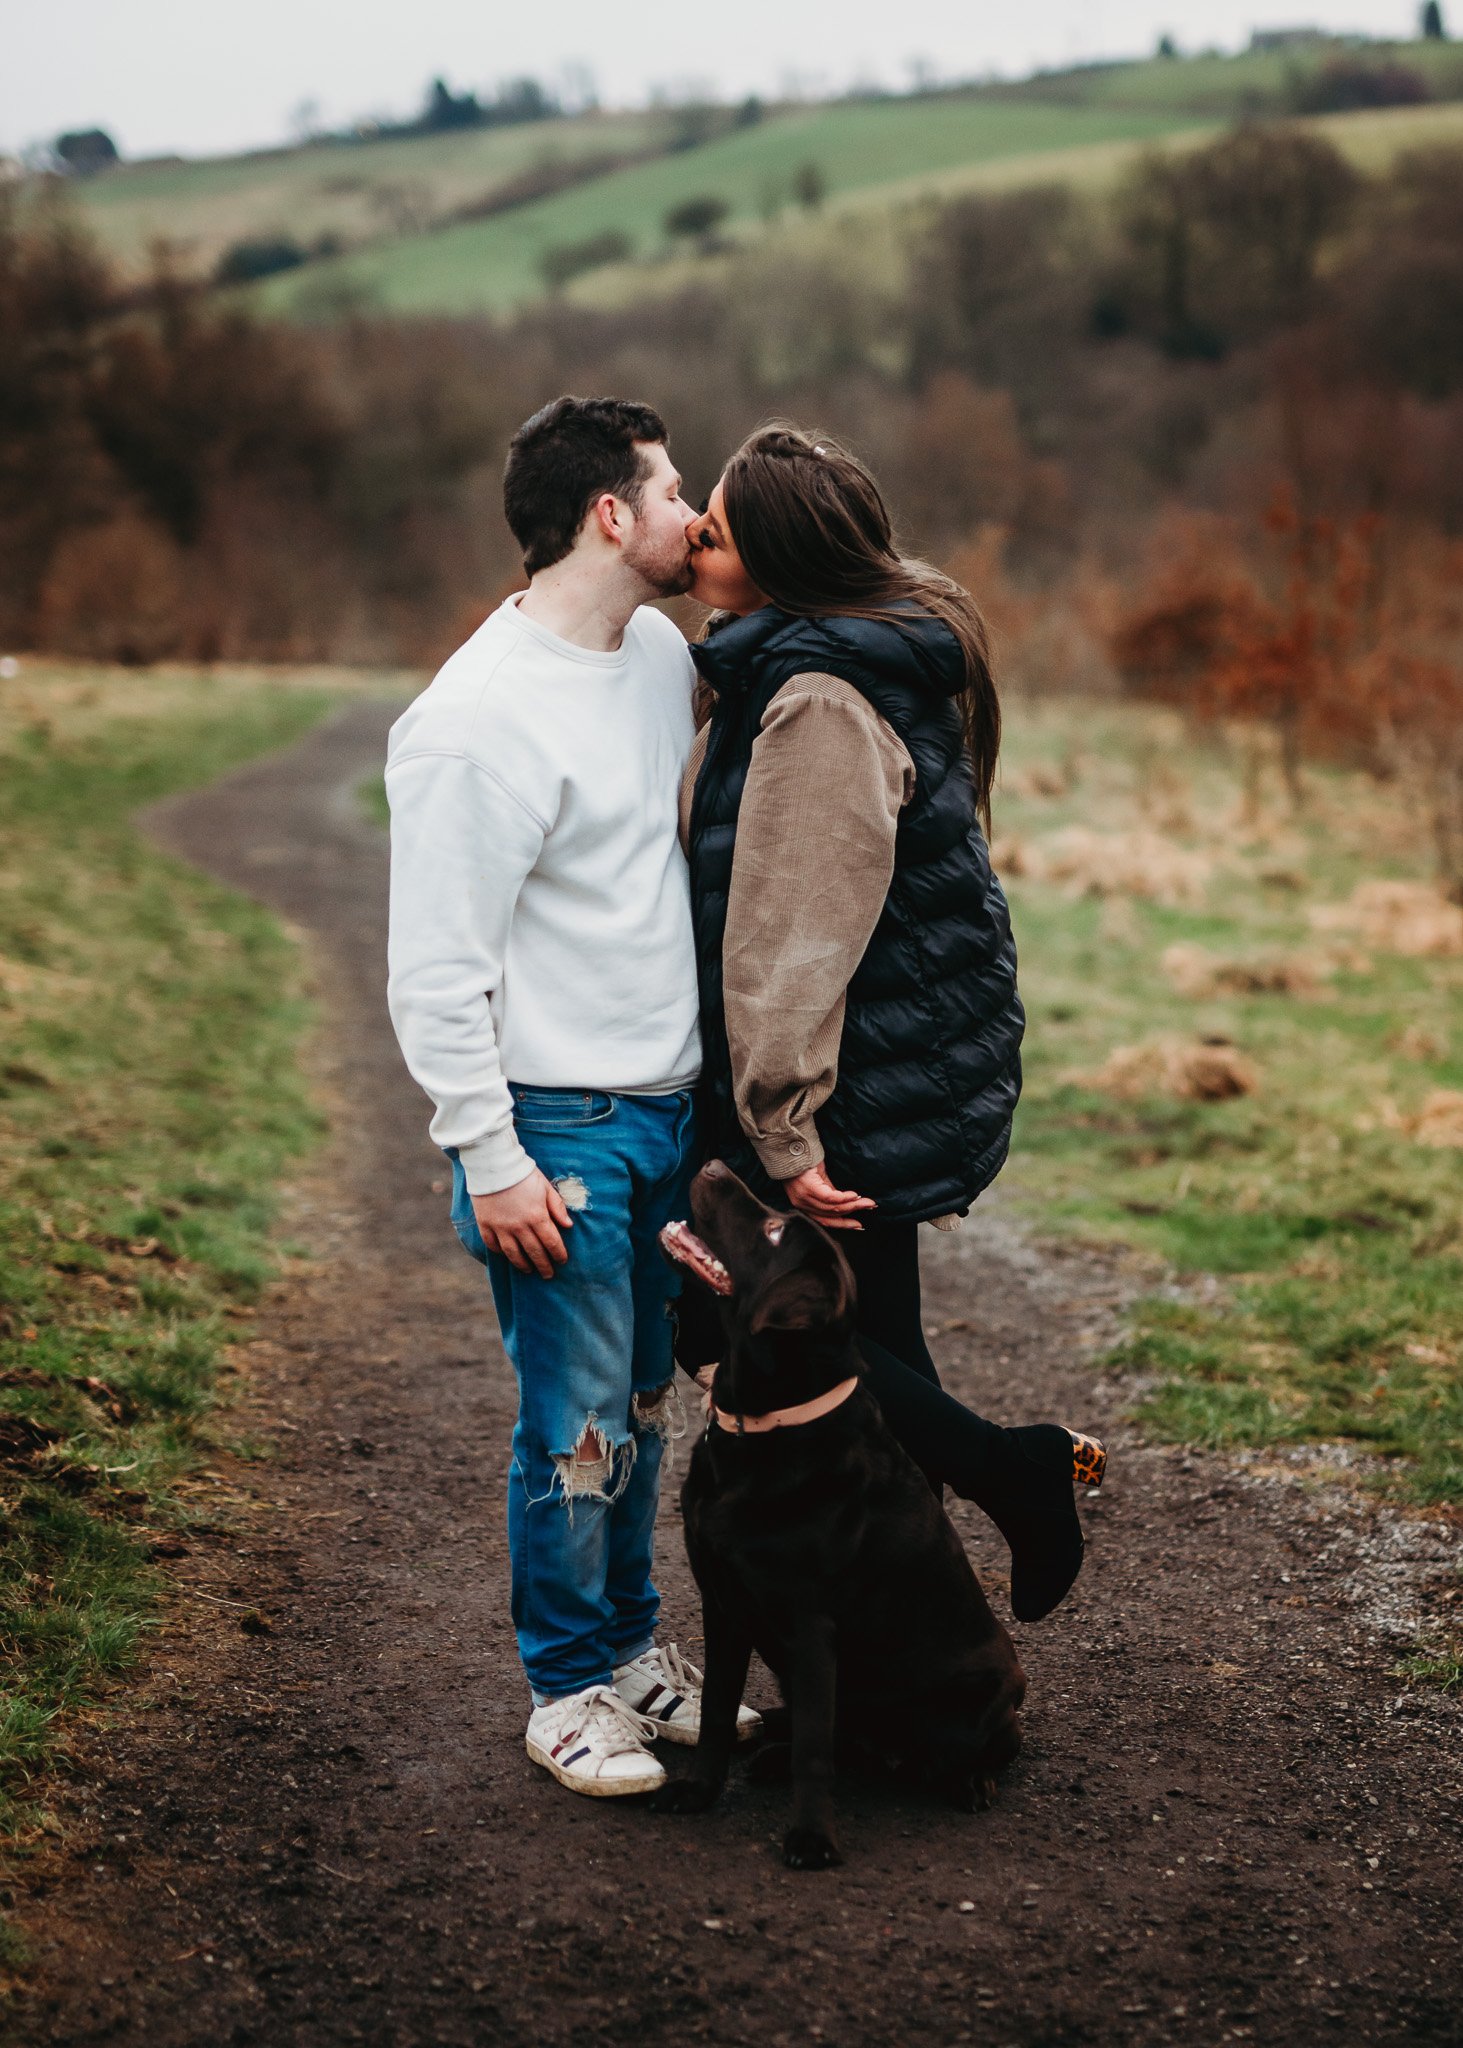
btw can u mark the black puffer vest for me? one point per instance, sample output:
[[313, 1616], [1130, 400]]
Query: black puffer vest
[[929, 1066]]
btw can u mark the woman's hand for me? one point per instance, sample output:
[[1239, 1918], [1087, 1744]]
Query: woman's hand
[[815, 1195]]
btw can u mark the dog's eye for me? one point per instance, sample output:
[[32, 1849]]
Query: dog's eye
[[772, 1230]]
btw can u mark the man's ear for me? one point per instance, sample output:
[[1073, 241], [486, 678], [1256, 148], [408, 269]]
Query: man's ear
[[809, 1298], [607, 514]]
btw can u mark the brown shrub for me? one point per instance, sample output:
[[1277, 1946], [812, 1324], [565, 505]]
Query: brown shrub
[[115, 592]]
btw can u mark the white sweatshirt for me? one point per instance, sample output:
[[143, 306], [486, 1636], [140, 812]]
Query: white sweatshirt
[[540, 901]]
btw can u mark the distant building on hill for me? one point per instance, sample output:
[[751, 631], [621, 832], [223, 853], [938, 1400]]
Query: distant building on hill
[[1271, 39]]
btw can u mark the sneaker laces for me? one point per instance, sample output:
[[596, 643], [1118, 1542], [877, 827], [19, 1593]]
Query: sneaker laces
[[682, 1676], [610, 1724]]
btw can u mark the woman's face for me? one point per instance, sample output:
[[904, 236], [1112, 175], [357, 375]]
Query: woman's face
[[718, 577]]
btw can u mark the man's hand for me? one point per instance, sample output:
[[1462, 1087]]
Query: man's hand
[[815, 1195], [523, 1223]]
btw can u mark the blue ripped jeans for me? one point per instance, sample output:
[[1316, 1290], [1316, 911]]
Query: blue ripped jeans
[[592, 1352]]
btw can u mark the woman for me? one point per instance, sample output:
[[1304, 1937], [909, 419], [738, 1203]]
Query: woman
[[860, 1019]]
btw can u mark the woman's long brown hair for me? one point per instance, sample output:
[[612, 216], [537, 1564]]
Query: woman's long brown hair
[[815, 536]]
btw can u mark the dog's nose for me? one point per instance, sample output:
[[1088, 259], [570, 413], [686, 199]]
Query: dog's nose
[[714, 1169]]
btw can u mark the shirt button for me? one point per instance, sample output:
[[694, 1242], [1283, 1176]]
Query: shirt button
[[797, 1145]]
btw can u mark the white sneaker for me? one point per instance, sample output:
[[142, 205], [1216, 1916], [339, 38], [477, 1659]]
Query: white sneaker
[[666, 1691], [594, 1743]]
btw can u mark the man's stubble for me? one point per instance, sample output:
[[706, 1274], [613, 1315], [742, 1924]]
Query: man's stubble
[[667, 568]]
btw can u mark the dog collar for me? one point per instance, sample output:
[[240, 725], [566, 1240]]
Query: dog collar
[[784, 1418]]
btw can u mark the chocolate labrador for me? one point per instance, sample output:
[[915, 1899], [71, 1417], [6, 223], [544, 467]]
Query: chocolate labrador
[[816, 1541]]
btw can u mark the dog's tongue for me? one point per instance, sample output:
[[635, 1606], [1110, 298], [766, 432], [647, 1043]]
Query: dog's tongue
[[680, 1243]]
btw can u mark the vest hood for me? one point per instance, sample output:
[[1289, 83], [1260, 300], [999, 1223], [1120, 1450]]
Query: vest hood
[[919, 651]]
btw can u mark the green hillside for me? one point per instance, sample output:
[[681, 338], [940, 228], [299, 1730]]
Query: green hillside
[[493, 265], [876, 160], [359, 192], [462, 222]]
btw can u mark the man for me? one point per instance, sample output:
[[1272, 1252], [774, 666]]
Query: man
[[543, 988]]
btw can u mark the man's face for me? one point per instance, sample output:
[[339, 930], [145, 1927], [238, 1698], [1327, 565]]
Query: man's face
[[656, 546]]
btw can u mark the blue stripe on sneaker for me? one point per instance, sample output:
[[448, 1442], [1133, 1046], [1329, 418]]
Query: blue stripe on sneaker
[[666, 1712], [576, 1756]]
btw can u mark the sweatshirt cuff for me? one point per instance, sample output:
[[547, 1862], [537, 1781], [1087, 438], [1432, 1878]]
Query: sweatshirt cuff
[[495, 1162], [786, 1154]]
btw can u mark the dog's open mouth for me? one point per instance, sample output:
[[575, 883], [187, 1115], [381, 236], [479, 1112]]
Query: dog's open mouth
[[680, 1243]]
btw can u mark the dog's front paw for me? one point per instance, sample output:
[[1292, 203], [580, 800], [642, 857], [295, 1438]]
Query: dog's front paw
[[971, 1792], [809, 1849], [684, 1795]]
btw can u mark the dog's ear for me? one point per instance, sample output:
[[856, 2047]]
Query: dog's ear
[[813, 1296]]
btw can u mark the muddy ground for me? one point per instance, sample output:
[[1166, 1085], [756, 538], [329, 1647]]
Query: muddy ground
[[315, 1822]]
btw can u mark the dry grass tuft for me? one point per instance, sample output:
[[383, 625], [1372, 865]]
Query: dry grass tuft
[[1413, 918], [1198, 973], [1191, 1069], [1418, 1043], [1041, 779], [1439, 1123], [1087, 863]]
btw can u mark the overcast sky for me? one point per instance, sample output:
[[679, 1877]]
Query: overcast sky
[[211, 76]]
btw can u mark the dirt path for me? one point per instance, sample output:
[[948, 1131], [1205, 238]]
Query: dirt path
[[1230, 1822]]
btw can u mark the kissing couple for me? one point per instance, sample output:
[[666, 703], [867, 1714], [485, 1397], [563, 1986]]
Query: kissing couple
[[621, 945]]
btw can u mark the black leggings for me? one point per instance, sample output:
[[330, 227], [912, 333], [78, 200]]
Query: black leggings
[[885, 1262], [950, 1443]]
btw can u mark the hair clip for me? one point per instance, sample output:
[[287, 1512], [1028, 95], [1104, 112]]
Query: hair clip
[[820, 451]]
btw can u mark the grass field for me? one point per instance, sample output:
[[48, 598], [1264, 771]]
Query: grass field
[[1319, 1213], [149, 1100]]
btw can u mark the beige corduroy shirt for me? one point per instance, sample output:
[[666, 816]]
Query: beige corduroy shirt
[[814, 859]]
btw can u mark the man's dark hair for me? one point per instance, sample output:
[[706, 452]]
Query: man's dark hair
[[565, 457]]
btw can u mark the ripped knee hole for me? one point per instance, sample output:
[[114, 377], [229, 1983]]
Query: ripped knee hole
[[594, 1469]]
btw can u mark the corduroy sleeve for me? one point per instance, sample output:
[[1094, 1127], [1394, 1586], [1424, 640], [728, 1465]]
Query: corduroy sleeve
[[814, 858]]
